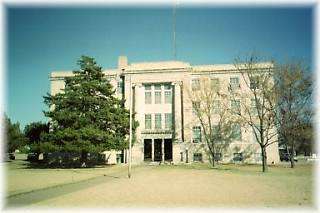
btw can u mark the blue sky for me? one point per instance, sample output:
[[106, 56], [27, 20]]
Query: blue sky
[[42, 40]]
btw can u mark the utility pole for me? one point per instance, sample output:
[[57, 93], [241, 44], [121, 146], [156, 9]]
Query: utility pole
[[174, 30], [130, 132]]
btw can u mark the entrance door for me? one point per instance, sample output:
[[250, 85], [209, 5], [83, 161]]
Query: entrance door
[[168, 149], [147, 149], [157, 150]]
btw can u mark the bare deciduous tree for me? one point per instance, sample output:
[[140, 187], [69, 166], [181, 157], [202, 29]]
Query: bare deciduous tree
[[210, 109], [257, 101]]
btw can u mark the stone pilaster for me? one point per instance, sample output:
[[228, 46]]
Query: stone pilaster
[[162, 150], [138, 104], [152, 150], [138, 155], [177, 111]]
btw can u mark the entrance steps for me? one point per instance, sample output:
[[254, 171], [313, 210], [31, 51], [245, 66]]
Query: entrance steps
[[156, 163]]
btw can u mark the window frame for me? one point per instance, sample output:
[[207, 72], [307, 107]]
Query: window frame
[[216, 108], [147, 87], [147, 100], [196, 139], [167, 87], [195, 86], [197, 157], [237, 137], [168, 98], [234, 86], [167, 118], [145, 121], [157, 87], [218, 154], [157, 98], [253, 106], [254, 83], [215, 85], [197, 104], [235, 106], [157, 115], [237, 155]]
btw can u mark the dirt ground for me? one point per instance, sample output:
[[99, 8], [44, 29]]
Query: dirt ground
[[183, 186], [20, 178]]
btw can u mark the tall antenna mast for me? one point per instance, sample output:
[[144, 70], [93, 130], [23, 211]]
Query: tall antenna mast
[[174, 30]]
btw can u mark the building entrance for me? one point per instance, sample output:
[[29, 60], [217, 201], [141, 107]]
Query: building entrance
[[157, 149], [168, 149], [147, 149]]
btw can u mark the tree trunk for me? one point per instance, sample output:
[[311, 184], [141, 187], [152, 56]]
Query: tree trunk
[[213, 152], [292, 157], [264, 159], [212, 160], [83, 159]]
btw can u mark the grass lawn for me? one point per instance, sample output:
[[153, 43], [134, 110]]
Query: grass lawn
[[195, 185], [20, 178]]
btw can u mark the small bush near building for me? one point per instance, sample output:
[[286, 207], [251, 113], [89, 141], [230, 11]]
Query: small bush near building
[[71, 160], [237, 157]]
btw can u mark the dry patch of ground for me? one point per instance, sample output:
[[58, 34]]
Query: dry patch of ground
[[194, 186], [19, 178]]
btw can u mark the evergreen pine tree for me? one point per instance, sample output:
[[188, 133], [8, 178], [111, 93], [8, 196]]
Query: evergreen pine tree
[[86, 117]]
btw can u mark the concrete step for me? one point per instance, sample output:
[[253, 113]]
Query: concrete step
[[155, 163]]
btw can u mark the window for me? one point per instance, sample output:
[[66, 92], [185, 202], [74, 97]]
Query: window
[[197, 157], [147, 121], [216, 106], [254, 109], [120, 86], [147, 87], [255, 133], [196, 134], [157, 87], [195, 107], [168, 120], [147, 96], [157, 97], [195, 84], [167, 97], [234, 83], [217, 134], [236, 131], [215, 84], [158, 121], [254, 83], [157, 93], [167, 87], [235, 106], [217, 156], [237, 157]]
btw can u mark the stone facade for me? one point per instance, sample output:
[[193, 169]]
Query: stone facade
[[164, 110]]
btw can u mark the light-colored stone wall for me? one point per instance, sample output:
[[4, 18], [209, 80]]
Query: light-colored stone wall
[[179, 75]]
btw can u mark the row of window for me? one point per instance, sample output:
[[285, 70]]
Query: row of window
[[235, 133], [237, 157], [158, 91], [158, 121], [215, 83], [234, 104]]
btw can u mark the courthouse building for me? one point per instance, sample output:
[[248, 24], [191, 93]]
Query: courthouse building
[[168, 129]]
